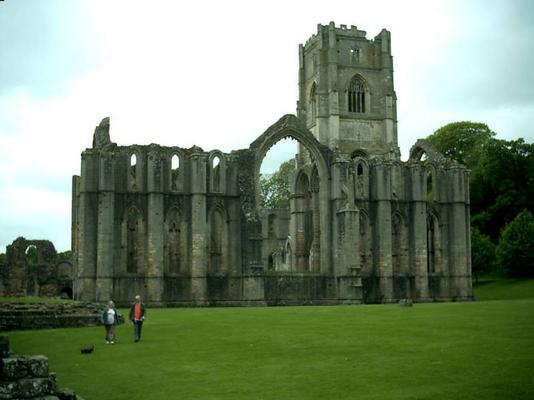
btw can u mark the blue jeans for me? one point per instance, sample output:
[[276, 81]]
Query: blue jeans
[[137, 329]]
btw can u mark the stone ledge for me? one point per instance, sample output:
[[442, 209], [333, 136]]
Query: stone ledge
[[27, 377], [13, 368], [16, 316]]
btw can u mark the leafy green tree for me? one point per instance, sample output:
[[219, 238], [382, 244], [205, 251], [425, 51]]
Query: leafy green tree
[[64, 256], [502, 184], [275, 188], [462, 141], [515, 252], [502, 172], [482, 253], [2, 258]]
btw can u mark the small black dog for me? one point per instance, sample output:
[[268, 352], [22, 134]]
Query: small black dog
[[87, 350]]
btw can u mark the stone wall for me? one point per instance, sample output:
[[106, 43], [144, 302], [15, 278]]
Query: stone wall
[[42, 276], [27, 377], [17, 316]]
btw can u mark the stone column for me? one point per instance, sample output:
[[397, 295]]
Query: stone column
[[350, 288], [382, 232], [334, 263], [333, 92], [418, 232], [84, 283], [199, 228], [293, 230], [105, 237], [234, 229], [155, 222], [460, 230]]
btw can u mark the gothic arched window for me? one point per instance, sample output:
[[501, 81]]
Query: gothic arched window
[[356, 95]]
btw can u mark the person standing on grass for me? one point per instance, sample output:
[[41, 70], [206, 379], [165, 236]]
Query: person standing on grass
[[110, 320], [137, 316]]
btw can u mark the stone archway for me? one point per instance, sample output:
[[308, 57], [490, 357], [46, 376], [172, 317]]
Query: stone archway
[[290, 126], [424, 147]]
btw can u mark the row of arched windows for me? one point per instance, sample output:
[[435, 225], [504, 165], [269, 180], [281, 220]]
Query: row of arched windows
[[400, 245], [215, 160], [175, 243], [175, 161]]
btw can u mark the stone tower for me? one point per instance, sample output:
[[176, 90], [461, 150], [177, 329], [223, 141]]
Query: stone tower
[[346, 93]]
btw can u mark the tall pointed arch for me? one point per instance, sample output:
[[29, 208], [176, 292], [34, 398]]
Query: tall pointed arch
[[133, 243], [218, 241], [320, 155], [399, 243], [434, 250], [174, 241], [312, 103]]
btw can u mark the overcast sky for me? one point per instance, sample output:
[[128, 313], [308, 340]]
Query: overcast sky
[[218, 73]]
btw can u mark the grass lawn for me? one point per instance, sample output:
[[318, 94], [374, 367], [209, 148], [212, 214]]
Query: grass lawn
[[479, 350], [504, 289]]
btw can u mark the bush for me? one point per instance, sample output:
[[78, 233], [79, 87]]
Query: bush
[[515, 252], [482, 253]]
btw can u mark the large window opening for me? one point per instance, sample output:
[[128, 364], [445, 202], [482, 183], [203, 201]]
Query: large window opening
[[175, 173], [356, 95], [313, 104], [132, 172], [31, 255], [290, 204], [276, 174], [217, 166], [174, 241], [134, 240]]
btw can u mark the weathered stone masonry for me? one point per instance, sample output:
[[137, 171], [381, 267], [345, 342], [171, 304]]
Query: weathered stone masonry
[[28, 377], [46, 276], [184, 226]]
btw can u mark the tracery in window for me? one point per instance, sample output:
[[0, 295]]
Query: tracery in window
[[356, 95]]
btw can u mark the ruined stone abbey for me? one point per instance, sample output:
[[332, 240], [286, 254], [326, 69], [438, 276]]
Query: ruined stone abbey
[[185, 226]]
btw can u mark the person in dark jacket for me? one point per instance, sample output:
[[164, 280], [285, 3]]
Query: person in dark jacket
[[110, 320], [137, 316]]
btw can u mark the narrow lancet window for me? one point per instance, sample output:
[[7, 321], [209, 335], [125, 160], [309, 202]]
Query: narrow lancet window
[[313, 102], [356, 95]]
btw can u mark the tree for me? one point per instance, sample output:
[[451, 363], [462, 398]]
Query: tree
[[462, 141], [64, 256], [515, 252], [275, 188], [2, 258], [502, 184], [482, 253], [502, 172]]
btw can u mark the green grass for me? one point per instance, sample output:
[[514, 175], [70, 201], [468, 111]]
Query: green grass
[[503, 289], [480, 350]]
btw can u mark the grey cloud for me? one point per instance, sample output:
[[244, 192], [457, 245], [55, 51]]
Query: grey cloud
[[491, 65], [41, 46]]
